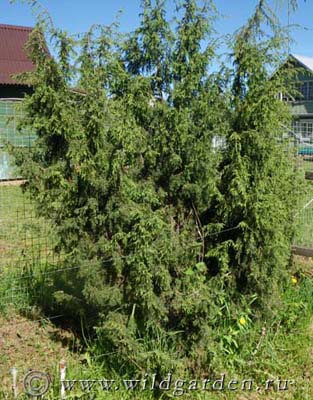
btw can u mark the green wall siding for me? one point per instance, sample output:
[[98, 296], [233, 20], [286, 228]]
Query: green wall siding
[[303, 108]]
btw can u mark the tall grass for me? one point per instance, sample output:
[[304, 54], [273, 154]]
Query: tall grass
[[279, 349]]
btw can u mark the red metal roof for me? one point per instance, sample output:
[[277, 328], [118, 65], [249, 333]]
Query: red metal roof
[[13, 57]]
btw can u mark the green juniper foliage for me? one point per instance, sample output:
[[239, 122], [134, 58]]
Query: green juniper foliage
[[166, 232], [258, 185]]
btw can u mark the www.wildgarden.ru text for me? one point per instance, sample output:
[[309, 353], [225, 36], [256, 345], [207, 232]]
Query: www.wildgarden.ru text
[[178, 386]]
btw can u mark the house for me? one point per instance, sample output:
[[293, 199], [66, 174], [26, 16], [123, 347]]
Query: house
[[302, 103], [13, 60]]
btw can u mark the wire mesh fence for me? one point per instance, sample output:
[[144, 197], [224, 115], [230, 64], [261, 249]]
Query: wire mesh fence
[[24, 238], [27, 241], [26, 244], [304, 216]]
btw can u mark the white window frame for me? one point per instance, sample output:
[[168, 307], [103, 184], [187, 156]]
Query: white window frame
[[303, 128], [306, 96]]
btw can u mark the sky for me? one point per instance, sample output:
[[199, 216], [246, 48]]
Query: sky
[[77, 16]]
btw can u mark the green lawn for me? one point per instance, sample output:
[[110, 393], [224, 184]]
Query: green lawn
[[24, 238]]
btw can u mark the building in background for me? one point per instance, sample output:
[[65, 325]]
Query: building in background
[[302, 103], [13, 60]]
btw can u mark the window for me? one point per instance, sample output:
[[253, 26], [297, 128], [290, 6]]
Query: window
[[284, 96], [303, 129], [305, 90], [310, 90], [10, 115]]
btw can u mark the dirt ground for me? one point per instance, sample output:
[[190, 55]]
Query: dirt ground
[[305, 265], [31, 345], [16, 182]]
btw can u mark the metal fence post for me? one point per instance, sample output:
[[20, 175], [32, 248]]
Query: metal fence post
[[62, 378], [14, 376]]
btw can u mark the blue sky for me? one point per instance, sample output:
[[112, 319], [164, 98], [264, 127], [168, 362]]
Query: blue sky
[[77, 15]]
